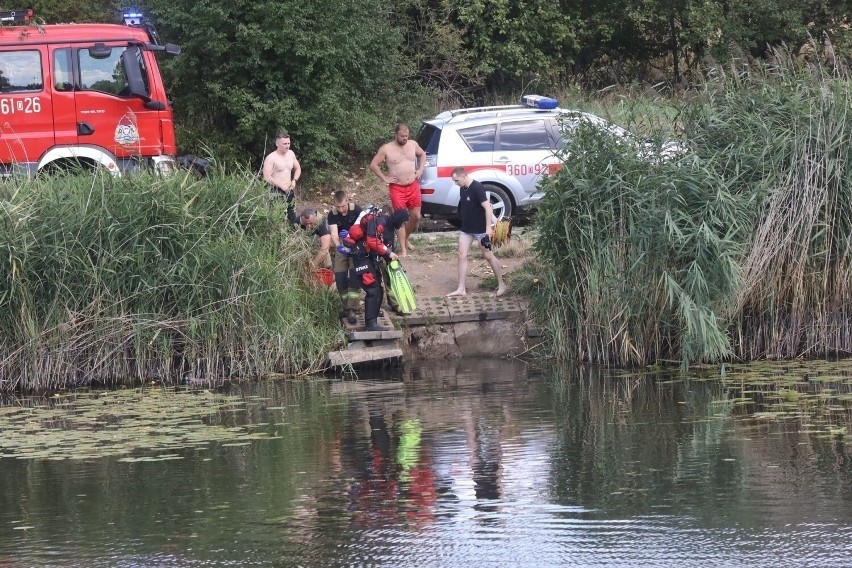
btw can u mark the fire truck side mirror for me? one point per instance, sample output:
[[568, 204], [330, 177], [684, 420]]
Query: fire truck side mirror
[[169, 48], [133, 71], [100, 51]]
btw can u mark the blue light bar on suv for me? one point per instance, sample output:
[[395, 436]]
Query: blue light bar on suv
[[538, 101]]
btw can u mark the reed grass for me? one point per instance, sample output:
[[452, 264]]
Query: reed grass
[[739, 250], [124, 280], [641, 265], [780, 133]]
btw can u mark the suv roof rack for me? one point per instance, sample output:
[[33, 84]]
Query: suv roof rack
[[483, 109], [475, 112]]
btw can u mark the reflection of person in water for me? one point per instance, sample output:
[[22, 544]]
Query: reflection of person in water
[[395, 483], [416, 475], [375, 496], [486, 465], [486, 459]]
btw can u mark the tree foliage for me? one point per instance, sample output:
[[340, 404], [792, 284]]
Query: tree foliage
[[338, 76], [334, 77], [79, 11], [513, 40]]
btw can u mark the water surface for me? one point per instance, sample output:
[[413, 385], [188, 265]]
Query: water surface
[[460, 463]]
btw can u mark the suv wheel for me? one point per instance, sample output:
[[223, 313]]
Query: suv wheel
[[501, 205]]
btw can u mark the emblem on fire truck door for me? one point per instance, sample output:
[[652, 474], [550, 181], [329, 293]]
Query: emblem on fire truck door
[[126, 131]]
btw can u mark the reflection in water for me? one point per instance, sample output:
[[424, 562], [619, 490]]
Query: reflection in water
[[459, 463], [485, 458], [397, 484]]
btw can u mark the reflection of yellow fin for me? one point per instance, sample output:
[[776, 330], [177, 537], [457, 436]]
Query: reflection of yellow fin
[[409, 447], [400, 293]]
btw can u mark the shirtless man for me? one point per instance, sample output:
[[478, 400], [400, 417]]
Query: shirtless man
[[281, 169], [405, 161]]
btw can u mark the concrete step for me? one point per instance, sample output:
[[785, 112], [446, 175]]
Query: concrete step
[[356, 332]]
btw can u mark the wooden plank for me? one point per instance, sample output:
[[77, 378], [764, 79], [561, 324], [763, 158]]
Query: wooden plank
[[391, 333], [346, 357]]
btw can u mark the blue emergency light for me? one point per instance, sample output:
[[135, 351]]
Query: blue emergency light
[[133, 18], [540, 102]]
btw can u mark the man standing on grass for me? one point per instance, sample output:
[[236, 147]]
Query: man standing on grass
[[476, 218], [281, 169], [405, 161]]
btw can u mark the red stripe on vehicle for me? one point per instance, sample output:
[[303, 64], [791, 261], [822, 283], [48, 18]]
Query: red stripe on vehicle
[[447, 171]]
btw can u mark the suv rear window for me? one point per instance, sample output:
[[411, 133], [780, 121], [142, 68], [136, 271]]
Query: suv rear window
[[428, 138]]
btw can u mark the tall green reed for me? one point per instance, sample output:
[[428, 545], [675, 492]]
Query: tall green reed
[[740, 249], [641, 263], [122, 280], [779, 135]]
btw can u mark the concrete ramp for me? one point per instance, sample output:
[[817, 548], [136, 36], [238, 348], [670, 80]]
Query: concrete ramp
[[383, 347]]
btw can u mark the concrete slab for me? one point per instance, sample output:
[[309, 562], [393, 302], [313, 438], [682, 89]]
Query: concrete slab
[[473, 307], [482, 308], [429, 311], [534, 331], [356, 332]]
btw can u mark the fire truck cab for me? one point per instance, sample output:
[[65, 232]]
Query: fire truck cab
[[86, 95]]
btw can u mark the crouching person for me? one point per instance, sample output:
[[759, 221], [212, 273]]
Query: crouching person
[[366, 246]]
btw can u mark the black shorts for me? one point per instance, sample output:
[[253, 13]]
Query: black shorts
[[279, 193]]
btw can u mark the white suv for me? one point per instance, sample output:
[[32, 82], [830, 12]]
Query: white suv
[[506, 148]]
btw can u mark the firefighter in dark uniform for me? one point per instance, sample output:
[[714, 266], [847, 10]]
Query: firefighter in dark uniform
[[348, 286], [366, 245]]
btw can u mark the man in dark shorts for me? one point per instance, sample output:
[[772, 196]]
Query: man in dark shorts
[[476, 218], [281, 170]]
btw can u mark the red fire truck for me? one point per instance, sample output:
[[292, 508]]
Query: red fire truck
[[87, 95]]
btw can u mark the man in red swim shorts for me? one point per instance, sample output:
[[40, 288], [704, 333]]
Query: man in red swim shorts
[[405, 161]]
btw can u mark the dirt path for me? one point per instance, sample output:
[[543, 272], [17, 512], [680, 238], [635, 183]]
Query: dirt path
[[432, 268]]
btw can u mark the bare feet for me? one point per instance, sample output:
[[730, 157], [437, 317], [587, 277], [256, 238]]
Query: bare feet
[[500, 291], [456, 293], [408, 247]]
